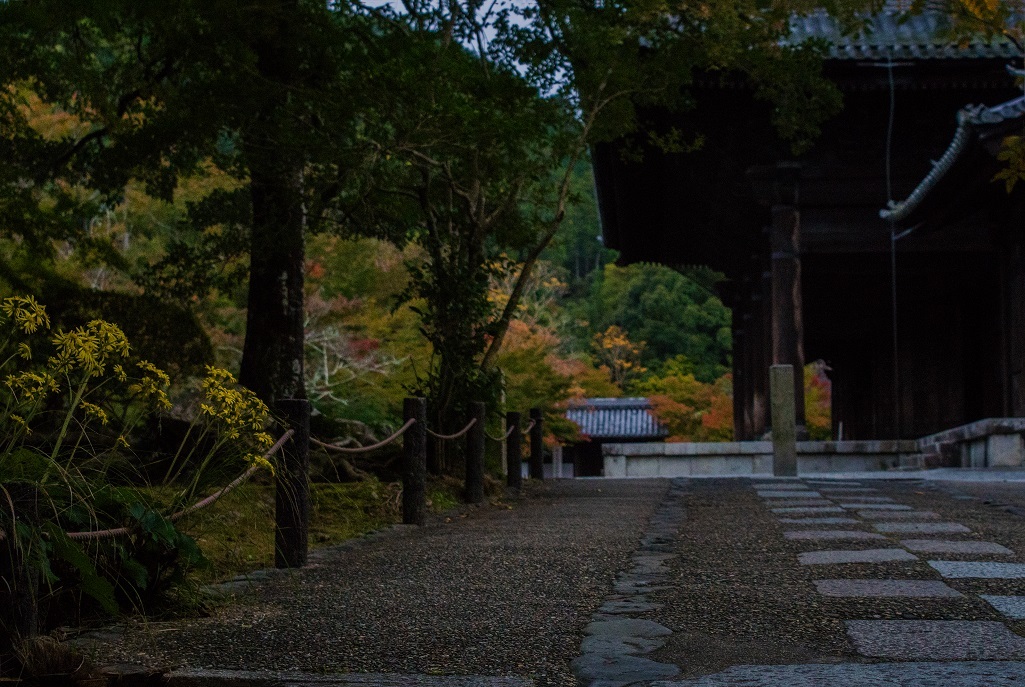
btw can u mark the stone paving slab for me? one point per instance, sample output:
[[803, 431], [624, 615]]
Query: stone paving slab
[[906, 674], [628, 606], [256, 678], [819, 521], [808, 509], [784, 485], [936, 640], [979, 569], [949, 546], [798, 503], [872, 588], [862, 505], [859, 498], [777, 494], [834, 483], [831, 534], [848, 490], [875, 514], [921, 527], [1012, 607], [864, 556]]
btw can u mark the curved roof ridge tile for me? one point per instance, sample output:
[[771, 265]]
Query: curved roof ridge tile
[[969, 119]]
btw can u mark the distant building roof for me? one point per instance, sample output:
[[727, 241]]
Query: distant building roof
[[974, 123], [889, 35], [616, 418]]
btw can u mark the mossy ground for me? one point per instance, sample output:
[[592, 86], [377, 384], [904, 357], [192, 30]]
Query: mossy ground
[[237, 533]]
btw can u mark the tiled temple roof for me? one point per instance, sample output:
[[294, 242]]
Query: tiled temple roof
[[619, 418], [890, 36]]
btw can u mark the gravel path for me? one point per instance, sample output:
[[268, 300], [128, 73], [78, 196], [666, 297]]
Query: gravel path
[[498, 592], [705, 583]]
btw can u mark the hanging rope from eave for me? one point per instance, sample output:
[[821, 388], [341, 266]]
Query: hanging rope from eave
[[893, 250]]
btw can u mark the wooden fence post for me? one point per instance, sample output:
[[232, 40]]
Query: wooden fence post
[[514, 461], [19, 582], [784, 430], [475, 455], [537, 445], [414, 463], [292, 487]]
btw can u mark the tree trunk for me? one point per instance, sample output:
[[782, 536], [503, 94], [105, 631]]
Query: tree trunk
[[272, 356]]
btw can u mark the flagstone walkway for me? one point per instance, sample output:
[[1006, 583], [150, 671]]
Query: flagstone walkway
[[851, 582], [690, 583]]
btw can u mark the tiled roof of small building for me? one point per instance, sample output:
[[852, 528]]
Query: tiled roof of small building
[[889, 36], [618, 418]]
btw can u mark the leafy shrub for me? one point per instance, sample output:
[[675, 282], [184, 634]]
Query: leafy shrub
[[70, 401]]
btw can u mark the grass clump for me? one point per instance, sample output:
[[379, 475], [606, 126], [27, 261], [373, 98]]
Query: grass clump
[[237, 535]]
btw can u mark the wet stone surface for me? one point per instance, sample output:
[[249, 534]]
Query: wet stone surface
[[897, 515], [776, 494], [819, 521], [863, 556], [848, 490], [864, 505], [947, 546], [906, 674], [936, 640], [866, 588], [808, 510], [921, 527], [831, 534], [798, 503], [610, 653], [979, 569], [834, 483], [1012, 607]]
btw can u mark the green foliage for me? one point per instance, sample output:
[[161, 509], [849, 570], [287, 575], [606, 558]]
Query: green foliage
[[70, 401], [1012, 152], [673, 314], [577, 248]]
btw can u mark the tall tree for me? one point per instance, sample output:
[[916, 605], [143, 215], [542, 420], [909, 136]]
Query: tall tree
[[164, 88]]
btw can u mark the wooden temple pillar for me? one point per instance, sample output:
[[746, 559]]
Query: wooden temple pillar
[[752, 349], [777, 187], [741, 371], [762, 299], [1012, 271], [787, 321]]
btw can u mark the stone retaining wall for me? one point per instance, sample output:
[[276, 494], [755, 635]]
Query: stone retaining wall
[[752, 458]]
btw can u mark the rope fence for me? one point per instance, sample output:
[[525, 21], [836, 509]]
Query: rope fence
[[502, 438], [366, 449], [413, 471], [198, 505], [458, 434]]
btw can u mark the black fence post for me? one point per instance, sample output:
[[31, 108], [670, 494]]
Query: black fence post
[[292, 486], [514, 451], [537, 446], [475, 455], [414, 463], [19, 580]]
